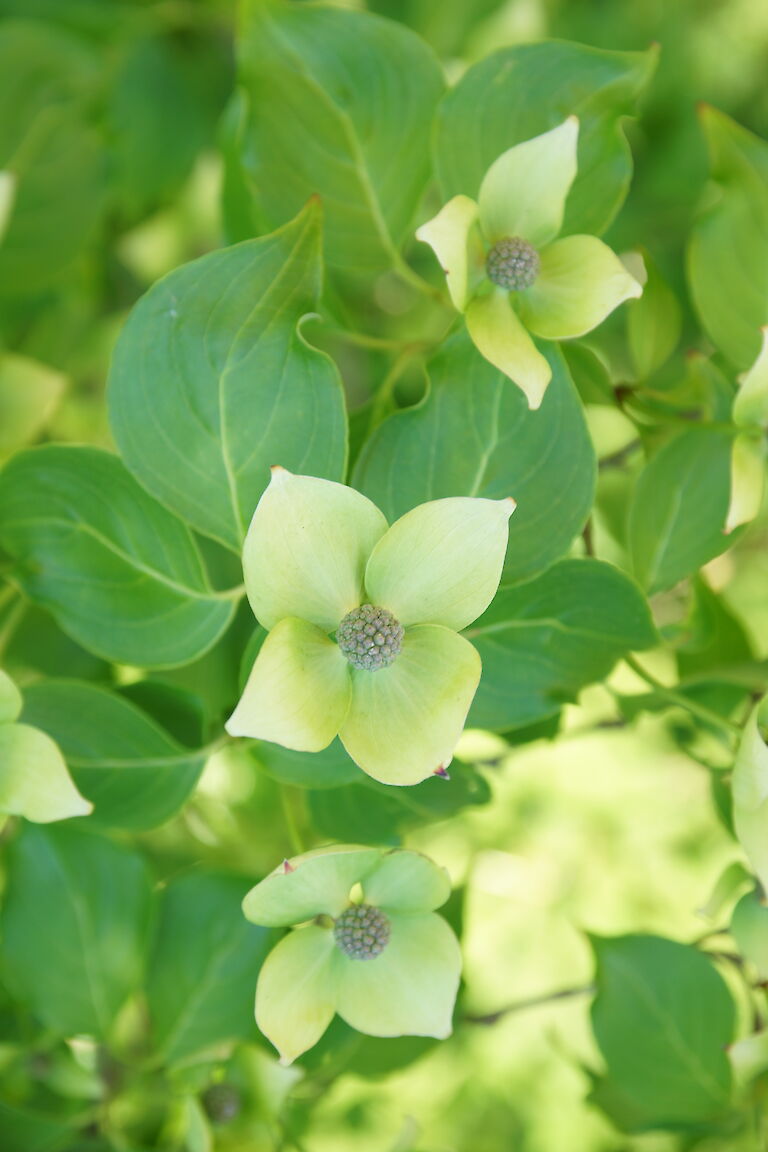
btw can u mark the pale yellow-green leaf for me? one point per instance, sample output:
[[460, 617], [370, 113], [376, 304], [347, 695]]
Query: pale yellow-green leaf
[[315, 883], [751, 403], [406, 881], [296, 991], [404, 720], [306, 549], [580, 282], [298, 691], [524, 191], [10, 699], [441, 562], [499, 336], [34, 780], [455, 239], [410, 988]]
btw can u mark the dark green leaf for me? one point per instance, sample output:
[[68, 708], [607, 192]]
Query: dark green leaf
[[203, 969], [728, 249], [212, 381], [54, 154], [179, 711], [133, 773], [653, 323], [525, 90], [473, 435], [341, 104], [74, 923], [544, 641], [24, 1130], [663, 1018], [153, 154], [121, 574], [330, 768], [678, 508], [713, 637], [372, 813]]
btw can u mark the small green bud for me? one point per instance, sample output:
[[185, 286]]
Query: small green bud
[[362, 931], [512, 263], [370, 637]]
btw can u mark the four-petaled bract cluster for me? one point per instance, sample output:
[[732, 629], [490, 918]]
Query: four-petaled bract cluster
[[509, 273], [368, 945], [364, 621]]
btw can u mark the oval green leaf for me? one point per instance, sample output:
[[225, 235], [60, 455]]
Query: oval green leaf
[[120, 574], [473, 435]]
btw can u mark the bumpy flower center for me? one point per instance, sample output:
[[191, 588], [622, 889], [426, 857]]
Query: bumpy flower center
[[512, 263], [362, 931], [370, 637]]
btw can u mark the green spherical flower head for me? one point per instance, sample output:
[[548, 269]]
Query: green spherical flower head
[[370, 637], [512, 263], [362, 931]]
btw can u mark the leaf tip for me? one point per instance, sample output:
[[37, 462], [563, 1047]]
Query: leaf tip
[[279, 474]]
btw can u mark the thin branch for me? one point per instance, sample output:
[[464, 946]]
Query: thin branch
[[682, 701], [532, 1002], [616, 459]]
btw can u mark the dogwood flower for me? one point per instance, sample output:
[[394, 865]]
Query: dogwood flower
[[748, 455], [363, 622], [371, 947], [507, 271]]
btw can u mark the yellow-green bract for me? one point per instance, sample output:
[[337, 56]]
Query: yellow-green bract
[[315, 552], [34, 779], [750, 415], [578, 281], [407, 988], [749, 785]]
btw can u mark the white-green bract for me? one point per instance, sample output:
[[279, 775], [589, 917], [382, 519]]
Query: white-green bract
[[317, 551], [555, 289], [750, 415], [406, 986], [34, 779]]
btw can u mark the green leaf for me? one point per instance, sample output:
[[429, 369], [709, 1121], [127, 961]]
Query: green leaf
[[10, 699], [473, 435], [153, 154], [25, 1130], [120, 574], [713, 636], [728, 248], [372, 813], [341, 104], [520, 92], [134, 774], [544, 641], [203, 968], [331, 768], [212, 381], [663, 1017], [678, 508], [74, 924], [56, 157], [749, 928], [29, 394], [654, 323]]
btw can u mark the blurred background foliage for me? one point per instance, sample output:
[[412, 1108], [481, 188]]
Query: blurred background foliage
[[111, 111]]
